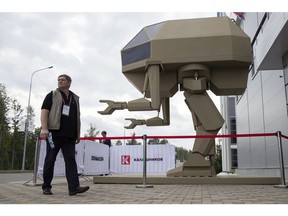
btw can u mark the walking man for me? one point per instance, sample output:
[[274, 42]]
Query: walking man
[[60, 126]]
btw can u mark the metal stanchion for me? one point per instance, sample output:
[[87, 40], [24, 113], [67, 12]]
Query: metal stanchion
[[36, 163], [281, 161], [144, 138]]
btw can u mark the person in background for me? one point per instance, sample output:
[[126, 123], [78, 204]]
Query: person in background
[[105, 141], [60, 126]]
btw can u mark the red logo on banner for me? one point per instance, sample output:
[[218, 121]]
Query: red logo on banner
[[125, 159]]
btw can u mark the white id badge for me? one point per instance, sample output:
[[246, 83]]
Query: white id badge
[[66, 110]]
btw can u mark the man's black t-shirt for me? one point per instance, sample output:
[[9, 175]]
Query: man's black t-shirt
[[107, 142], [68, 125]]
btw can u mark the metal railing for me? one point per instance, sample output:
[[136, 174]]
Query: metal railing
[[278, 134]]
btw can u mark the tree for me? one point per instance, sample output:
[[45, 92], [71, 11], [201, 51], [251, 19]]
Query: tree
[[118, 143], [92, 131], [31, 139], [153, 141], [31, 114], [17, 112], [182, 154], [11, 139], [156, 141], [133, 141], [31, 146], [163, 141], [218, 159], [4, 125]]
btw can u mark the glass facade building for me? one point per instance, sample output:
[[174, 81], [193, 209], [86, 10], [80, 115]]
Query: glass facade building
[[263, 106]]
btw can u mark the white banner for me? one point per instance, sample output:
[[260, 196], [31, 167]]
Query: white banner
[[93, 159], [85, 162], [96, 158], [129, 159]]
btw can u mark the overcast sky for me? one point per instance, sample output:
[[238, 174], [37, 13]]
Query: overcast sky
[[87, 47]]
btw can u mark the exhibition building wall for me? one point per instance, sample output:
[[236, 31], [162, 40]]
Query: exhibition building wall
[[263, 106]]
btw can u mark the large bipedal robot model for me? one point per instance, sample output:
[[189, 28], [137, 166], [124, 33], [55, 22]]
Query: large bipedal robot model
[[193, 55]]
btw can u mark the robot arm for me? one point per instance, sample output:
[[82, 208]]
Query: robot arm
[[156, 121], [112, 106], [151, 84]]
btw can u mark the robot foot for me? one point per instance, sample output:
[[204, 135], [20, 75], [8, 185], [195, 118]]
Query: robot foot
[[195, 166]]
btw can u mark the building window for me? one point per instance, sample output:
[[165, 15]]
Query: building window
[[233, 129], [234, 158]]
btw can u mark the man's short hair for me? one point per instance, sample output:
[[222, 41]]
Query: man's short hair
[[68, 78]]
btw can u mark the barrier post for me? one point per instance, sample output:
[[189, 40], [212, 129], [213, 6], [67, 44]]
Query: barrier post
[[36, 163], [144, 138], [281, 162]]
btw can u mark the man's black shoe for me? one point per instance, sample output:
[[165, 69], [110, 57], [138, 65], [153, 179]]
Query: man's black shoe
[[47, 191], [79, 190]]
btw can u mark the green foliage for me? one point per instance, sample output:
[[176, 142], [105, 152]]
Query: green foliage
[[11, 139], [133, 141], [218, 159], [92, 131], [118, 143], [4, 128], [182, 154], [156, 141]]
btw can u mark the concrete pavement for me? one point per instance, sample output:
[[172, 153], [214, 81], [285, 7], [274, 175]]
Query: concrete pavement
[[13, 191]]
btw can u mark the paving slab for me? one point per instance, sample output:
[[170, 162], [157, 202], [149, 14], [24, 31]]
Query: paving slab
[[17, 192]]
